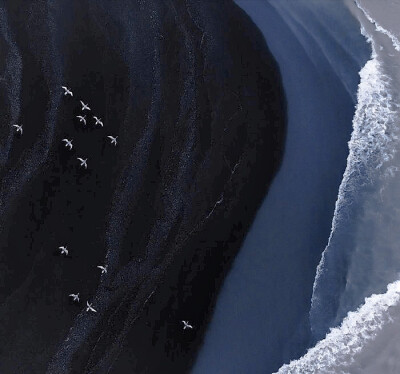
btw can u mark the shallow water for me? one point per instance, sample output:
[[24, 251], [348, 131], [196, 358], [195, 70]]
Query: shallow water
[[362, 255], [261, 317]]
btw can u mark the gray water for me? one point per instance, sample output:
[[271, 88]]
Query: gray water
[[261, 317]]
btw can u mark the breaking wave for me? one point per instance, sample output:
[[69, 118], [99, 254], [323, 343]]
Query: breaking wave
[[371, 149], [338, 350]]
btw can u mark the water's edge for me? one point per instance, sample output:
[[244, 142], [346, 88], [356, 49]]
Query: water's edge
[[261, 317]]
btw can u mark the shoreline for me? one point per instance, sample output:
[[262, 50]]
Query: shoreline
[[261, 316]]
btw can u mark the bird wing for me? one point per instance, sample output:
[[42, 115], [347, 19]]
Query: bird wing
[[110, 137], [16, 126], [81, 159], [65, 140], [65, 88]]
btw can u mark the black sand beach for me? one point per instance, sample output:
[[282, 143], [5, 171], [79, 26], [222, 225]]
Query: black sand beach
[[195, 98]]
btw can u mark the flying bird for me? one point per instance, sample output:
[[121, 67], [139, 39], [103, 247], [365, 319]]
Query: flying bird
[[19, 128], [98, 121], [82, 119], [64, 250], [90, 308], [186, 325], [67, 91], [103, 269], [75, 296], [68, 143], [83, 162], [84, 106], [113, 139]]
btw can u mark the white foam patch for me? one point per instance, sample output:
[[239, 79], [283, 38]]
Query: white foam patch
[[340, 348]]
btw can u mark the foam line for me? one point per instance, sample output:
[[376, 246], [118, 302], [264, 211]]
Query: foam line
[[339, 349], [372, 145]]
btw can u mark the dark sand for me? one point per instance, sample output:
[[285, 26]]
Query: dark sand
[[196, 100]]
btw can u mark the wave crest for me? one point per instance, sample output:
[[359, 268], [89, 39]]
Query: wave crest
[[339, 349], [371, 148]]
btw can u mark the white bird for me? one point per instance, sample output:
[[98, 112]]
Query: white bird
[[83, 162], [67, 91], [113, 139], [84, 106], [68, 143], [75, 296], [64, 250], [103, 269], [98, 121], [186, 325], [82, 119], [19, 128], [90, 308]]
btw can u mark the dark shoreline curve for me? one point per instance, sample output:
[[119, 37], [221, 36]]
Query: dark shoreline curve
[[190, 289], [261, 318], [201, 119]]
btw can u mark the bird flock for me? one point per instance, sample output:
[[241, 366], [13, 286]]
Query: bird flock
[[82, 119], [83, 164], [63, 250]]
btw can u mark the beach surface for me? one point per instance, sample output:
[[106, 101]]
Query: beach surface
[[195, 98]]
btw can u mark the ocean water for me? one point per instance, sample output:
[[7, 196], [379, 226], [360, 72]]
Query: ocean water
[[361, 256], [365, 342], [316, 286], [261, 319], [356, 287], [355, 305]]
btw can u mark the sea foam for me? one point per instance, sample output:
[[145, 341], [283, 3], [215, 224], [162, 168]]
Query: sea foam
[[371, 149], [338, 351]]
